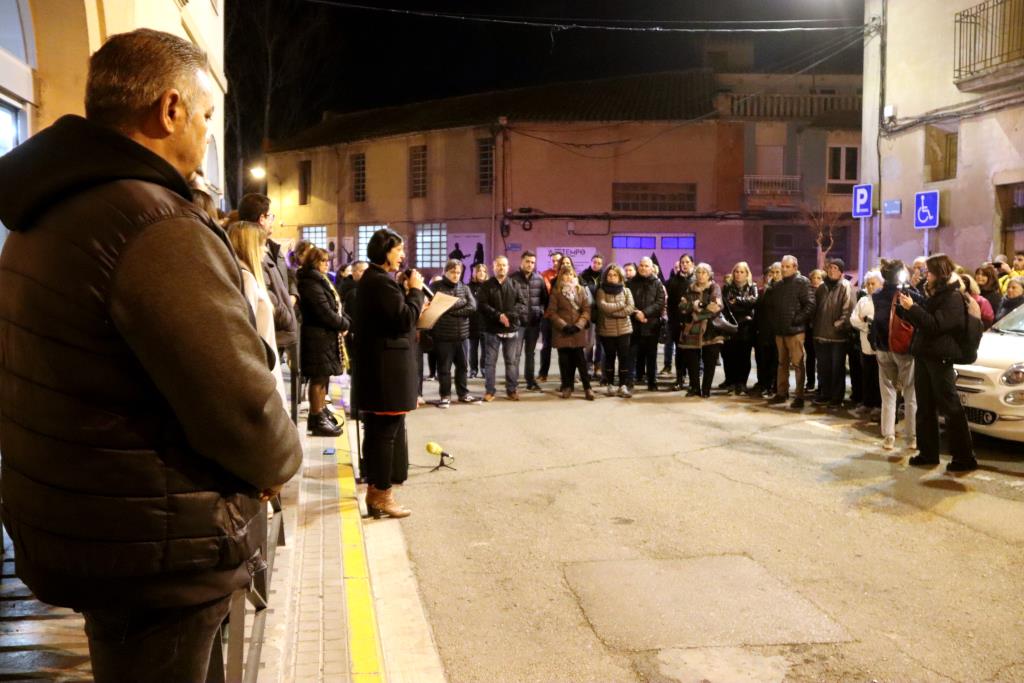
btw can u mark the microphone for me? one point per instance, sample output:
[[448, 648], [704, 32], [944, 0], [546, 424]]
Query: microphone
[[434, 448]]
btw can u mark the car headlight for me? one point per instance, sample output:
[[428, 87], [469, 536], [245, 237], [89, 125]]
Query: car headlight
[[1014, 398], [1013, 376]]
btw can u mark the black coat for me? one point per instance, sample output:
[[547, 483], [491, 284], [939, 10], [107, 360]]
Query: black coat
[[536, 294], [791, 306], [1007, 305], [322, 321], [385, 376], [649, 297], [453, 326], [476, 321], [937, 324], [138, 417], [739, 307], [882, 302], [498, 298], [280, 290], [677, 286], [762, 316]]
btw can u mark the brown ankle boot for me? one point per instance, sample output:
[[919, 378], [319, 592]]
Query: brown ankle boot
[[379, 503]]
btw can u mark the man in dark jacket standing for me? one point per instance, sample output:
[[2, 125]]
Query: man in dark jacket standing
[[137, 501], [535, 292], [676, 288], [450, 334], [790, 307], [649, 299], [502, 305], [591, 280], [833, 305]]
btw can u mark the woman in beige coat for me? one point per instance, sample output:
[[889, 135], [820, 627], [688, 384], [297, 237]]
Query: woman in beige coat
[[614, 327], [569, 313]]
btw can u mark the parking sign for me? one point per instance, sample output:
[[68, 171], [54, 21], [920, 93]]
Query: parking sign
[[862, 204], [926, 210]]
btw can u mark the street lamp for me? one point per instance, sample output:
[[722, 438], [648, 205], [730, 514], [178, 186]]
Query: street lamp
[[258, 172]]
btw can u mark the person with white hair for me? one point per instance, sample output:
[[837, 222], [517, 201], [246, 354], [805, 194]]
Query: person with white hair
[[860, 318], [699, 339]]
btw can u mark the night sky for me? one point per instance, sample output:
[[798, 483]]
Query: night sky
[[342, 59]]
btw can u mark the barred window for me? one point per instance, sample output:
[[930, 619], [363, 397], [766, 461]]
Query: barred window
[[418, 171], [485, 165], [358, 162], [363, 239], [305, 181], [315, 235], [654, 196], [431, 245]]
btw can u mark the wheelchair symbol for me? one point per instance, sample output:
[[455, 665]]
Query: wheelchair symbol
[[924, 213]]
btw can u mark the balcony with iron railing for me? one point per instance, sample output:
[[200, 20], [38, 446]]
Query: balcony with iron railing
[[989, 44], [785, 106], [771, 185]]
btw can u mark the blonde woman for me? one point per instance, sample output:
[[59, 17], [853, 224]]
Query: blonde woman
[[740, 298], [247, 240], [569, 313]]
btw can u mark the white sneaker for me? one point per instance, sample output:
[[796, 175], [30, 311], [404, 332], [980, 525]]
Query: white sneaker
[[444, 403], [610, 390], [889, 443], [624, 392]]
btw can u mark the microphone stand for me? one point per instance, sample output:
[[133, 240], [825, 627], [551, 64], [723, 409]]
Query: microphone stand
[[441, 463]]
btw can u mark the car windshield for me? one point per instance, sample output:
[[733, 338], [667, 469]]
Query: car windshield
[[1013, 322]]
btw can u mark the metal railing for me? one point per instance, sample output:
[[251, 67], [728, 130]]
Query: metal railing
[[792, 106], [988, 36], [771, 184]]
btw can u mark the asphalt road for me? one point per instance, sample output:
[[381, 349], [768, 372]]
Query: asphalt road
[[671, 539]]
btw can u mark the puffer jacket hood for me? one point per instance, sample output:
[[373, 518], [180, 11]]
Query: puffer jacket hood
[[69, 157]]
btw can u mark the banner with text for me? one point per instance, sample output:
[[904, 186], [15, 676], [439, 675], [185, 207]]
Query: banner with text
[[580, 256]]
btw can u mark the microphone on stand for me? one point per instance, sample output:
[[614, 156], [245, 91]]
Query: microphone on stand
[[434, 448]]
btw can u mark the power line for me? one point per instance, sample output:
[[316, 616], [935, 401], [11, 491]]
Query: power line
[[590, 25]]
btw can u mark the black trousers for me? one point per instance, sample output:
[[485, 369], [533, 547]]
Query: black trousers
[[644, 354], [870, 389], [475, 348], [385, 450], [169, 645], [766, 355], [856, 378], [448, 352], [810, 360], [736, 359], [617, 348], [570, 361], [693, 358], [935, 387], [545, 348], [831, 370], [531, 335]]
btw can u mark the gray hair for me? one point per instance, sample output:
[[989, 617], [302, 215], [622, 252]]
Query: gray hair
[[874, 274], [789, 258], [130, 73], [706, 267]]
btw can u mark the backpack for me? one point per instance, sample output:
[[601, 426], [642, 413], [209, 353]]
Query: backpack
[[973, 329], [900, 331]]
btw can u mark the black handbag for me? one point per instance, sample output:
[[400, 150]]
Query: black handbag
[[724, 326]]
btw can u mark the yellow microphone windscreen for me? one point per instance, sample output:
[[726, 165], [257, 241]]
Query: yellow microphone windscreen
[[434, 448]]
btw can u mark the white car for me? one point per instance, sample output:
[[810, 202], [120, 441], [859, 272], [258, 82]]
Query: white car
[[992, 388]]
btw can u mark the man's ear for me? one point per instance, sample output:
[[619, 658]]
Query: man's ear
[[171, 110]]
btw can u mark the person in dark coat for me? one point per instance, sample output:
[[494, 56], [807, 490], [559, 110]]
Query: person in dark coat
[[938, 323], [141, 424], [569, 313], [1014, 298], [384, 380], [535, 291], [791, 306], [450, 332], [477, 280], [766, 353], [740, 298], [323, 323], [591, 279], [677, 285], [502, 305], [649, 299]]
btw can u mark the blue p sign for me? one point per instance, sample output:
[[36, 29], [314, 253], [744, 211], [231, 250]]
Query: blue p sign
[[862, 204]]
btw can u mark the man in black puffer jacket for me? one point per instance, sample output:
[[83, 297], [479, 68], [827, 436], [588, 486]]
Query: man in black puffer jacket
[[450, 334], [535, 291], [502, 305], [649, 299], [139, 419], [790, 307]]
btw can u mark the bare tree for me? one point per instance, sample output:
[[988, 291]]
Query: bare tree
[[824, 223]]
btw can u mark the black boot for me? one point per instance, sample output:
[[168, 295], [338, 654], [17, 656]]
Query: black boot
[[320, 425], [329, 414]]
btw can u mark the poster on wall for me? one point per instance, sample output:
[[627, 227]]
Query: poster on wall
[[468, 247], [580, 256]]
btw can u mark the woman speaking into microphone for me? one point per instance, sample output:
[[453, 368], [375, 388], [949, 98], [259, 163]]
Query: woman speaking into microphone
[[384, 381]]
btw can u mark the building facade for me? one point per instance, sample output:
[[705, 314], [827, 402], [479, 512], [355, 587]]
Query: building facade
[[944, 111], [726, 167], [44, 53]]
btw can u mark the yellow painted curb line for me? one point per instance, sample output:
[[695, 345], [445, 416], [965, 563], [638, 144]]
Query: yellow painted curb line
[[365, 655]]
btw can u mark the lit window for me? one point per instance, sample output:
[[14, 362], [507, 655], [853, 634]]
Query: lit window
[[363, 238], [431, 245], [418, 171], [634, 242], [358, 163], [315, 235], [687, 242], [654, 197], [485, 165]]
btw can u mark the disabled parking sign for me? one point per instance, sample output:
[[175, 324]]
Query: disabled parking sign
[[926, 210]]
